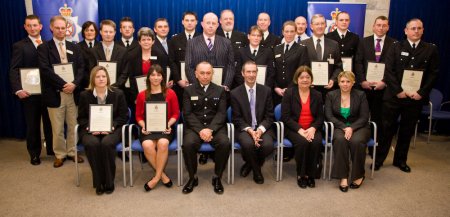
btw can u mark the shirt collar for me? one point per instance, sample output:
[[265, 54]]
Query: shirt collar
[[94, 92], [111, 46], [248, 87], [187, 34], [87, 42], [315, 39], [57, 41], [253, 48], [161, 39], [342, 33], [265, 34], [130, 40], [33, 39], [206, 38], [411, 43]]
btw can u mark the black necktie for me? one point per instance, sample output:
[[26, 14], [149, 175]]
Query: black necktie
[[128, 43], [254, 53], [342, 36], [287, 48], [414, 46], [298, 39], [90, 44], [228, 35], [189, 37]]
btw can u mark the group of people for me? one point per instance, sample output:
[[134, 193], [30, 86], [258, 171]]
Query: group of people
[[348, 100]]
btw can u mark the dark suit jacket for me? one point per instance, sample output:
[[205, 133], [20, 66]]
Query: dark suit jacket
[[366, 54], [177, 49], [359, 110], [220, 55], [24, 55], [271, 41], [286, 64], [133, 46], [263, 57], [238, 40], [118, 55], [115, 97], [291, 108], [331, 48], [52, 84], [87, 56], [204, 109], [165, 59], [242, 117], [401, 56], [348, 45]]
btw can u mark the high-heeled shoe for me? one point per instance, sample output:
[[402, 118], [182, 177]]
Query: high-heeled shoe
[[355, 186], [343, 188], [146, 187], [168, 184]]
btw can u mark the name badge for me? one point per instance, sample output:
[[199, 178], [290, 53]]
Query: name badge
[[238, 42], [278, 55], [69, 52], [153, 57], [331, 61], [194, 97], [405, 54]]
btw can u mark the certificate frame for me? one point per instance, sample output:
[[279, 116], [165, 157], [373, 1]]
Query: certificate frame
[[31, 83], [97, 115], [373, 71], [141, 82], [168, 72], [67, 73], [261, 75], [112, 73], [318, 78], [155, 114], [183, 70], [347, 63], [217, 75], [412, 79]]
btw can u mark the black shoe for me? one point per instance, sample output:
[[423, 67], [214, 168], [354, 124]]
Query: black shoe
[[355, 186], [258, 178], [343, 188], [217, 184], [99, 190], [287, 158], [168, 184], [311, 182], [245, 170], [146, 187], [377, 166], [403, 167], [109, 190], [302, 182], [35, 161], [203, 159], [189, 187]]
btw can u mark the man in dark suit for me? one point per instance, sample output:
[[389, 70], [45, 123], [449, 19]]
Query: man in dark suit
[[212, 48], [204, 113], [61, 96], [24, 55], [411, 54], [252, 108], [348, 41], [269, 40], [238, 39], [107, 50], [323, 49], [258, 54], [127, 31], [373, 49], [161, 49]]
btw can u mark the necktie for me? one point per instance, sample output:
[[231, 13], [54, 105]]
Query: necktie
[[287, 48], [38, 41], [378, 50], [128, 43], [414, 46], [298, 39], [204, 88], [108, 54], [254, 53], [90, 44], [319, 50], [210, 45], [342, 36], [164, 44], [63, 52], [189, 37], [252, 108], [228, 35]]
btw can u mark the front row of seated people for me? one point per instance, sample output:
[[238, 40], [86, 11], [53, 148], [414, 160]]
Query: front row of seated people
[[204, 119]]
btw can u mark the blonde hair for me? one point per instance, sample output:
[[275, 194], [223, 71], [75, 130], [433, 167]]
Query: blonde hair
[[94, 73], [347, 74]]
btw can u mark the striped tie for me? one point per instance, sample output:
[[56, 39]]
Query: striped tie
[[210, 45]]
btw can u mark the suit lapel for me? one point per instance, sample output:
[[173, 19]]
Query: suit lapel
[[54, 50], [371, 47], [312, 50], [246, 103], [100, 52]]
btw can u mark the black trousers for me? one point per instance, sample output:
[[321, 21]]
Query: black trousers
[[255, 157], [306, 153], [375, 100], [409, 111], [356, 147], [192, 143], [34, 109], [101, 152]]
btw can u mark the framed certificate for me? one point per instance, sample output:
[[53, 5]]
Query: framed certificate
[[31, 80], [375, 71], [100, 118], [111, 67], [411, 80], [127, 83], [217, 75], [261, 75], [141, 82], [65, 71], [183, 71], [167, 74], [320, 73], [156, 116], [347, 64]]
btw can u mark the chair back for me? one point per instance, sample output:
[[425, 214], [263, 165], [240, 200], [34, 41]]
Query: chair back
[[436, 98], [229, 114], [277, 112]]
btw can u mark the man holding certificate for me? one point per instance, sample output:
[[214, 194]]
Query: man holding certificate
[[24, 67], [412, 67], [204, 112], [102, 113], [62, 69]]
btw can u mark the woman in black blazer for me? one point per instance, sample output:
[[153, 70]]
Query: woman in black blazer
[[348, 110], [101, 146], [302, 115]]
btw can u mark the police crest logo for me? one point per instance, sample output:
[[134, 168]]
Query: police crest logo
[[73, 29]]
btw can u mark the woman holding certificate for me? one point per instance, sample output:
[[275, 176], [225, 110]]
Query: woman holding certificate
[[348, 110], [159, 105], [102, 110], [302, 114]]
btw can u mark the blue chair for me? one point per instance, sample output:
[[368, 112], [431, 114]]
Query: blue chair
[[434, 110]]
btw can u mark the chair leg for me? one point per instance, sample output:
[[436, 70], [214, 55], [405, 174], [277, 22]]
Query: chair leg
[[415, 135], [429, 130]]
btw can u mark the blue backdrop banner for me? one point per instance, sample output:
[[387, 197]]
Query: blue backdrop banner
[[75, 11], [357, 14]]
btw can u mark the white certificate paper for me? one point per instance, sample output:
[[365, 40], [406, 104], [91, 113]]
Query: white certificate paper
[[168, 74], [156, 116], [261, 75], [320, 73], [65, 71], [183, 71], [31, 80], [411, 80], [347, 64], [111, 67], [217, 75], [141, 82], [375, 71], [100, 118]]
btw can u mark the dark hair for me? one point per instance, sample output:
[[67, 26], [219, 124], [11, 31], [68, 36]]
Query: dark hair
[[189, 13], [108, 23], [381, 18], [126, 19], [86, 25], [342, 12], [300, 70], [249, 62], [145, 31], [33, 17], [255, 28], [160, 19], [289, 23], [148, 92]]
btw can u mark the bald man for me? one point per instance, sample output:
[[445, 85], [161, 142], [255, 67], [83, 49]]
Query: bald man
[[269, 39]]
